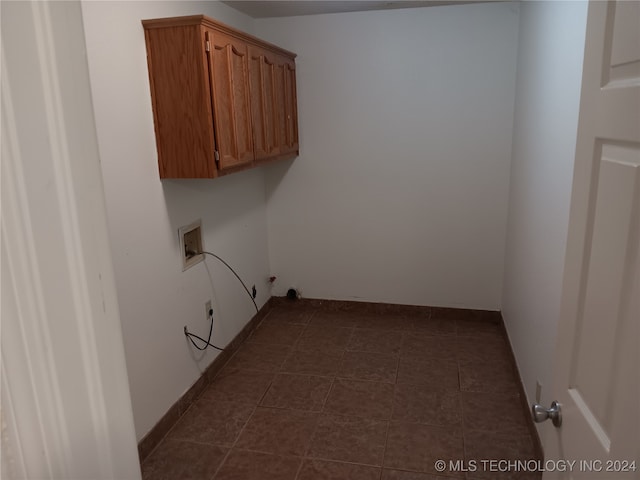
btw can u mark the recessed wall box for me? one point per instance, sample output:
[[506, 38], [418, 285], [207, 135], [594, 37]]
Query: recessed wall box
[[190, 238]]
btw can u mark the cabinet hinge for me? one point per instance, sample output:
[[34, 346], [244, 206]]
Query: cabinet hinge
[[216, 156], [207, 46]]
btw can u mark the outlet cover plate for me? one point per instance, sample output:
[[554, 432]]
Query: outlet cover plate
[[190, 238]]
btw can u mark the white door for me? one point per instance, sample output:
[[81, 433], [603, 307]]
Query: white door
[[597, 373]]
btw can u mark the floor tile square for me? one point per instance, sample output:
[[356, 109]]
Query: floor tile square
[[456, 314], [185, 460], [416, 447], [446, 313], [386, 321], [282, 432], [478, 328], [487, 377], [334, 319], [497, 476], [360, 399], [481, 446], [419, 345], [242, 386], [369, 366], [483, 349], [349, 439], [276, 333], [259, 356], [434, 326], [300, 392], [324, 470], [328, 340], [244, 465], [490, 413], [214, 422], [440, 373], [423, 404], [400, 475], [375, 341], [498, 445], [312, 363], [282, 315]]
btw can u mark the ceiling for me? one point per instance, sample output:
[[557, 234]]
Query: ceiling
[[268, 8]]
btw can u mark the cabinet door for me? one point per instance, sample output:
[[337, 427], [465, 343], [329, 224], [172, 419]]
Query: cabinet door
[[285, 89], [228, 67], [291, 109], [279, 75], [263, 104]]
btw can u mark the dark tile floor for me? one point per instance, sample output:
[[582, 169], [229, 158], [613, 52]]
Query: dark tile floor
[[318, 393]]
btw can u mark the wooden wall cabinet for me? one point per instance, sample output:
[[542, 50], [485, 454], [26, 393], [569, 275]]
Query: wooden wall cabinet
[[223, 100]]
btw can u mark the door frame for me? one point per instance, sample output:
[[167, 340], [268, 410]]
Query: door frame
[[66, 407]]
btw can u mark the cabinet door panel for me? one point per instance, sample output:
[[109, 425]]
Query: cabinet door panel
[[291, 108], [228, 63], [279, 81], [285, 88], [270, 110], [261, 72]]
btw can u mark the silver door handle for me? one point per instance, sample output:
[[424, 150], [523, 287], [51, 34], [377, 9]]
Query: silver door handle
[[540, 413]]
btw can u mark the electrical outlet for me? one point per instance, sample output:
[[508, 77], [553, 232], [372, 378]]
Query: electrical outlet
[[538, 391], [208, 311], [190, 237]]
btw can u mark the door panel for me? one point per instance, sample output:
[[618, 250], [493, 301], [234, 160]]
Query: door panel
[[232, 116], [261, 73], [291, 109], [623, 36], [285, 87], [270, 107], [597, 380], [279, 80], [605, 292]]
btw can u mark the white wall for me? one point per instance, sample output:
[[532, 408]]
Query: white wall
[[550, 54], [400, 191], [156, 298]]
